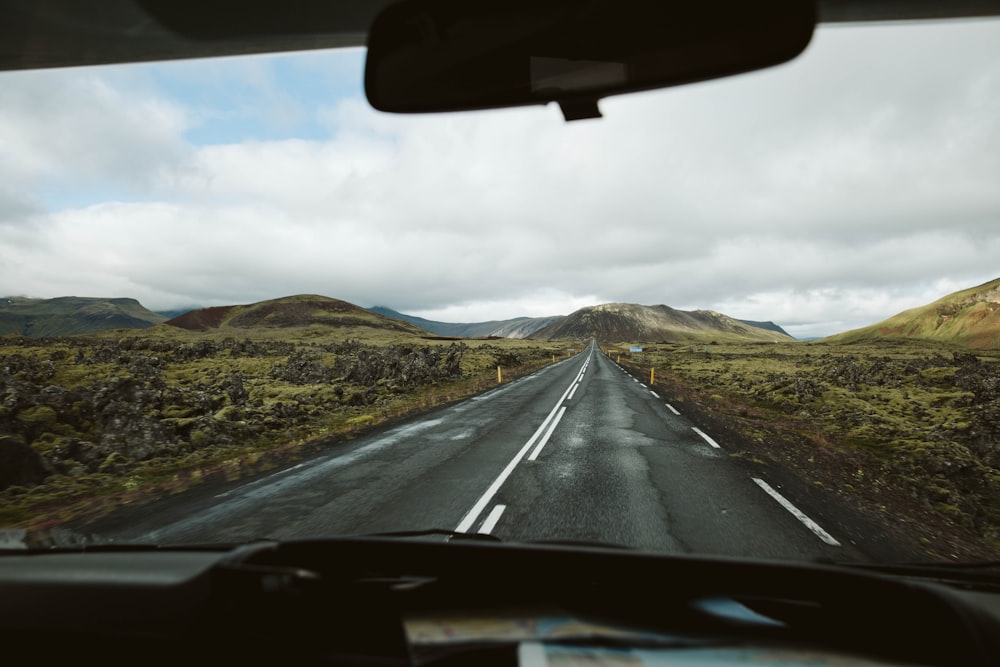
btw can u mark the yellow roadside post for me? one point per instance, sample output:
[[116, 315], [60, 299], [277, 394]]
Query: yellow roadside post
[[652, 376], [499, 376]]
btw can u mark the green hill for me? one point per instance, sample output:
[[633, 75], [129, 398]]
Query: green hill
[[72, 315], [970, 318]]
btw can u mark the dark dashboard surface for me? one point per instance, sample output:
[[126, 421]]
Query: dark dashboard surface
[[345, 601]]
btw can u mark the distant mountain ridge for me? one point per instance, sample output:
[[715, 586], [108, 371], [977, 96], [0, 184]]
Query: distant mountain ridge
[[969, 317], [72, 315], [64, 316], [621, 322], [518, 327], [292, 311]]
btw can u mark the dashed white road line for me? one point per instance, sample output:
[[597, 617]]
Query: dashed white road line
[[491, 520], [797, 513], [672, 409], [654, 393], [706, 437], [575, 387]]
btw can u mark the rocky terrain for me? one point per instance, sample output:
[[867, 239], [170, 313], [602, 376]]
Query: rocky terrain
[[88, 417], [907, 429]]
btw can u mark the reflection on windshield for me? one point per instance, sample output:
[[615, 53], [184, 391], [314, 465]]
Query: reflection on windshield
[[241, 304]]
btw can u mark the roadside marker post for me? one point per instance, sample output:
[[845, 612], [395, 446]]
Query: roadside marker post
[[499, 376]]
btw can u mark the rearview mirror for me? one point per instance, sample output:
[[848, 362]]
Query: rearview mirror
[[451, 55]]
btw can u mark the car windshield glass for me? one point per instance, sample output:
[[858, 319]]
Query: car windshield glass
[[754, 317]]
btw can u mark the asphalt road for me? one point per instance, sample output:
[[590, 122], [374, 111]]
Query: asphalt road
[[579, 451]]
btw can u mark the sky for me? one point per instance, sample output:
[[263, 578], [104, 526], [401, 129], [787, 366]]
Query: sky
[[825, 194]]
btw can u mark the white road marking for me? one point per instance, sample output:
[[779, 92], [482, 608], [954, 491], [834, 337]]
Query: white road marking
[[470, 517], [654, 393], [548, 434], [491, 520], [643, 386], [797, 513], [706, 437], [672, 409], [634, 380], [570, 397]]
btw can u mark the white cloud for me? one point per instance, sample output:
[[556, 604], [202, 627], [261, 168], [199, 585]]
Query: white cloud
[[824, 194]]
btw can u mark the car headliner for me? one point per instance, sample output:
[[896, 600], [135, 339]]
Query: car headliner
[[61, 33]]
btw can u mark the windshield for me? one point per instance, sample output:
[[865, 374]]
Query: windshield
[[241, 304]]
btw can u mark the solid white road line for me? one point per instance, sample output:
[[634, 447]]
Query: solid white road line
[[673, 409], [654, 393], [705, 436], [470, 517], [548, 434], [491, 520], [797, 513]]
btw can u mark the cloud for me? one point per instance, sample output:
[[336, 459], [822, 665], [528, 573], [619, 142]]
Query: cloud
[[827, 193], [74, 129]]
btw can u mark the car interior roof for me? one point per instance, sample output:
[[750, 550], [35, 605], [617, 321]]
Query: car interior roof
[[61, 33]]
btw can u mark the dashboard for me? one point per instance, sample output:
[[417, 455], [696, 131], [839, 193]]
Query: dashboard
[[419, 601]]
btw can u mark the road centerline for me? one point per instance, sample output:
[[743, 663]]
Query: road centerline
[[548, 434], [473, 514], [491, 520]]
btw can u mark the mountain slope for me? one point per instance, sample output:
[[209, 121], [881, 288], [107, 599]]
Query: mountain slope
[[519, 327], [71, 315], [769, 326], [970, 317], [621, 322], [303, 310]]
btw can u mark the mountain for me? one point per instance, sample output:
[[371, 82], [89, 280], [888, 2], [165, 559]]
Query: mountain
[[769, 326], [524, 327], [292, 311], [519, 327], [176, 312], [970, 317], [627, 322], [71, 315]]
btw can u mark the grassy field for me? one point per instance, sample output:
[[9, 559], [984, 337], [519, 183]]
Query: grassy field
[[93, 422], [908, 429]]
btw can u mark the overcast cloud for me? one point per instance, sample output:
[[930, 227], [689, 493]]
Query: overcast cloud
[[826, 194]]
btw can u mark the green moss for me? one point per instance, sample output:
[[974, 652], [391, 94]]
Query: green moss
[[38, 415], [360, 420]]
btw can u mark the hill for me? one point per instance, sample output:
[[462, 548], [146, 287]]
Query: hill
[[970, 317], [620, 322], [72, 315], [304, 310], [519, 327], [769, 326]]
